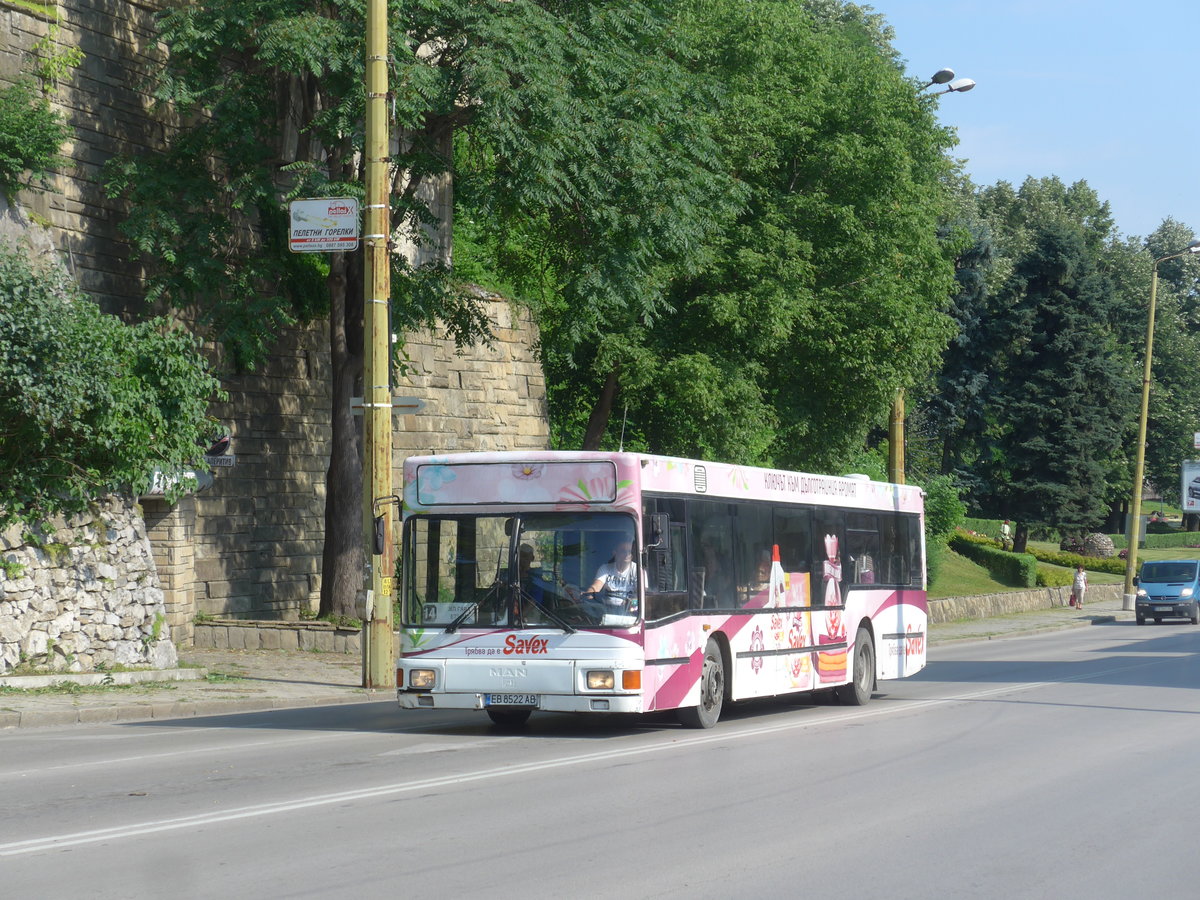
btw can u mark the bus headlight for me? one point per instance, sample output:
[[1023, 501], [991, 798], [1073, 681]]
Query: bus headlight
[[422, 679], [601, 680]]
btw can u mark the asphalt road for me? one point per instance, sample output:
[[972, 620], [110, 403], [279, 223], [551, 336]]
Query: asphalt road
[[1058, 765]]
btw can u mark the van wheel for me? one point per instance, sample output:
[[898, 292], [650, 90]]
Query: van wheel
[[712, 691], [509, 718], [1141, 620], [859, 690]]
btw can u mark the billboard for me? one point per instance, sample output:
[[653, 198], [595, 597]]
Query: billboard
[[1189, 486]]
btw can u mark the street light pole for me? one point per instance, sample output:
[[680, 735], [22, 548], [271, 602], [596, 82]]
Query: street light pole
[[1139, 469], [896, 420]]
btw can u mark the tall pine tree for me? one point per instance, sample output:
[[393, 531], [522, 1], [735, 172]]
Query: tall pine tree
[[1063, 398]]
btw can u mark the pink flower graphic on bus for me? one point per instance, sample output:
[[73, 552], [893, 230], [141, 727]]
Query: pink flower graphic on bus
[[526, 471], [756, 644], [587, 492]]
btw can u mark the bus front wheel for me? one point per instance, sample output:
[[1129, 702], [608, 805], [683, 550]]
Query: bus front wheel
[[509, 718], [859, 690], [712, 691]]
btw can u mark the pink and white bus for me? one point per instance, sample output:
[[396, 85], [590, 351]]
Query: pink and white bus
[[621, 582]]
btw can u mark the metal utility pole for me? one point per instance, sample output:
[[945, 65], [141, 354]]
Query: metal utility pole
[[896, 440], [379, 651]]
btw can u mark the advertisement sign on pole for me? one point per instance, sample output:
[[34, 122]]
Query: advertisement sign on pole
[[1189, 487], [327, 225]]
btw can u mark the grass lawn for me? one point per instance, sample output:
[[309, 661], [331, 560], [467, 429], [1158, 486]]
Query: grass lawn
[[959, 577]]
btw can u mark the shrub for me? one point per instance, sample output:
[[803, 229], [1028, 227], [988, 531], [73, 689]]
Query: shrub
[[1052, 576], [31, 134], [1014, 569], [89, 405], [1113, 565], [944, 511]]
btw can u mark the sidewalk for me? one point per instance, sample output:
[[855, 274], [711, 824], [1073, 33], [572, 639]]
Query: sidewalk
[[221, 682]]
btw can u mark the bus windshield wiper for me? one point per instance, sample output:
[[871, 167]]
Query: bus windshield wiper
[[462, 617], [547, 612]]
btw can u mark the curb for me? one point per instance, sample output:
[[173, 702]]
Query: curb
[[1024, 632]]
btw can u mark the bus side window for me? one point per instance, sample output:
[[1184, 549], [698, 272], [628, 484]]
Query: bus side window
[[711, 580], [893, 561], [752, 554], [666, 570], [862, 548]]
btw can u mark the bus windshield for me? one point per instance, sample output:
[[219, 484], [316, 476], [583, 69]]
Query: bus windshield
[[563, 570]]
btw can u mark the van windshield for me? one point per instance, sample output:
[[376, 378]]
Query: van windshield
[[1168, 572]]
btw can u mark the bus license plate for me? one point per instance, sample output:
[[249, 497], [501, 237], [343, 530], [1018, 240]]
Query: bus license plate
[[510, 699]]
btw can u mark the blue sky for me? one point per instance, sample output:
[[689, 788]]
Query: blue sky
[[1095, 91]]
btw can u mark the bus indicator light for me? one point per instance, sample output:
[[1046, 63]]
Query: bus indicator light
[[631, 679]]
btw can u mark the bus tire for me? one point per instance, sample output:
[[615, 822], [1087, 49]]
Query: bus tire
[[859, 690], [712, 691], [509, 718]]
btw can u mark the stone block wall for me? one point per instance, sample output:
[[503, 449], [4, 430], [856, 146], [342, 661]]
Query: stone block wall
[[83, 595]]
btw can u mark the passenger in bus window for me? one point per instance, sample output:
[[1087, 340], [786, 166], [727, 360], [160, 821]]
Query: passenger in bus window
[[616, 580], [718, 587]]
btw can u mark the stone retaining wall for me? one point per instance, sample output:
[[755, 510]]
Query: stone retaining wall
[[83, 596], [983, 606]]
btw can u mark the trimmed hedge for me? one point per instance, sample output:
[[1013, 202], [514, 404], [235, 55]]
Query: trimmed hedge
[[1162, 541], [1052, 576], [1015, 569], [1113, 564]]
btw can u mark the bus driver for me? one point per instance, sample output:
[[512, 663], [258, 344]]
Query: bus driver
[[616, 580]]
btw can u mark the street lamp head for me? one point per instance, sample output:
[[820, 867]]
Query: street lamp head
[[941, 76], [961, 86], [1193, 247]]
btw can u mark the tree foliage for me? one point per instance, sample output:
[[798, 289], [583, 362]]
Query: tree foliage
[[818, 293], [88, 405], [576, 115], [1060, 399], [31, 134]]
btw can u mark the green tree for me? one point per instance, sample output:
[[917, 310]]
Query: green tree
[[1174, 414], [580, 118], [1061, 399], [89, 405], [821, 295]]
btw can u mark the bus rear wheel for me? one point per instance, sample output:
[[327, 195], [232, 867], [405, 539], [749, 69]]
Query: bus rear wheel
[[712, 691], [859, 690]]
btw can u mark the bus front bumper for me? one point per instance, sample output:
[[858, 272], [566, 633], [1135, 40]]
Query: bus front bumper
[[624, 703]]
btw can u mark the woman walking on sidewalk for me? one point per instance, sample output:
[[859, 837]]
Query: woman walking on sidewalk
[[1079, 586]]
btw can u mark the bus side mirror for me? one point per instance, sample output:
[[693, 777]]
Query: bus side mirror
[[660, 531]]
